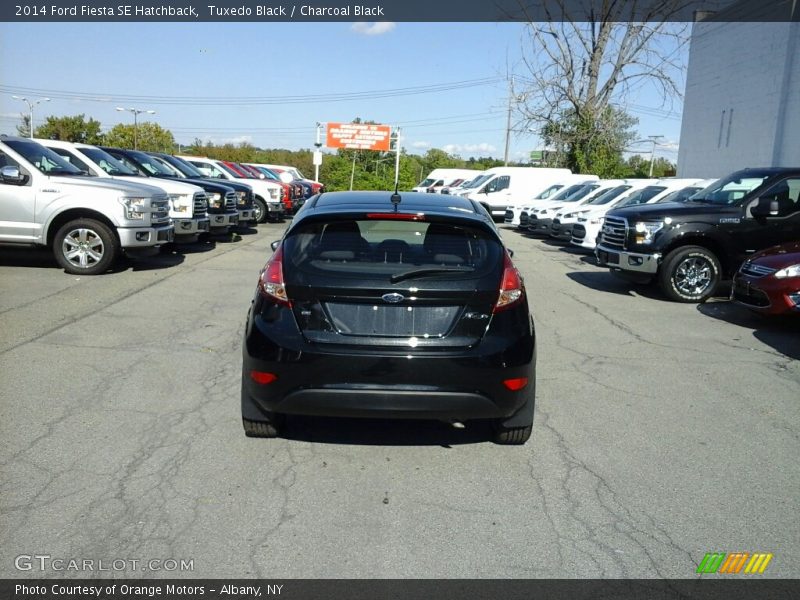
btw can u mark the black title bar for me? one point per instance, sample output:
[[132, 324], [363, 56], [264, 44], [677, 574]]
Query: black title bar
[[396, 10]]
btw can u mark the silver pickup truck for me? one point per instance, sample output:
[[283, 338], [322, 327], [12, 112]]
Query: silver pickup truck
[[87, 222]]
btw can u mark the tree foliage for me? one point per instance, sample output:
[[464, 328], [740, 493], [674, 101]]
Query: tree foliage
[[71, 129], [583, 66], [144, 136]]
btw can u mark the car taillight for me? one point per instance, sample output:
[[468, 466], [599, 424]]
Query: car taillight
[[512, 289], [270, 284]]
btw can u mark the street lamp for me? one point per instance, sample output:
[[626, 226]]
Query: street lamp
[[136, 112], [654, 139], [31, 104]]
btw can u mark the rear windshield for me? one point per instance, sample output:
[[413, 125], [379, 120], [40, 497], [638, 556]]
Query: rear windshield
[[392, 249]]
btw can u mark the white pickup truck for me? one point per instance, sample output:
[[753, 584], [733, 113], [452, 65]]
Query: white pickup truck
[[188, 203], [87, 222]]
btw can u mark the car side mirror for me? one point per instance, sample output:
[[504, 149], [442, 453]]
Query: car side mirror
[[510, 252], [766, 207], [12, 175], [274, 245]]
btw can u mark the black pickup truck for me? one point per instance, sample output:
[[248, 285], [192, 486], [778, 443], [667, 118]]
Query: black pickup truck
[[690, 246]]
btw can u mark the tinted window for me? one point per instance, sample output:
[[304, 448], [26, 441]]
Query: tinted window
[[609, 195], [108, 163], [44, 159], [642, 196], [679, 195], [377, 248], [72, 159], [730, 190]]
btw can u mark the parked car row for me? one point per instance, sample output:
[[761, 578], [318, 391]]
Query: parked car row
[[90, 204], [686, 234]]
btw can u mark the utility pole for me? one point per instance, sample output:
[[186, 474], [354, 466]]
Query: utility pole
[[508, 119], [136, 112], [318, 153], [654, 139], [397, 157], [353, 172], [31, 104]]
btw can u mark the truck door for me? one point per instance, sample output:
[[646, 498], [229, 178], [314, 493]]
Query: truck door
[[763, 232], [17, 205]]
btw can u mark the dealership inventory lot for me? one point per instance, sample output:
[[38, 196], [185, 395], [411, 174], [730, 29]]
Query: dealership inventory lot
[[663, 431]]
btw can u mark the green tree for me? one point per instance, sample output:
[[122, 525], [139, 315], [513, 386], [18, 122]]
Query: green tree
[[590, 145], [71, 129], [24, 128], [144, 136]]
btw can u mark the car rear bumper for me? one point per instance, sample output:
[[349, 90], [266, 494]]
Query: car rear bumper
[[386, 384]]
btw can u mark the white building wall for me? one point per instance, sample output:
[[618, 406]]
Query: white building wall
[[742, 101]]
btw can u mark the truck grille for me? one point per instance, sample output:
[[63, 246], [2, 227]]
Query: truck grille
[[614, 232], [230, 201], [200, 205], [749, 268], [159, 211]]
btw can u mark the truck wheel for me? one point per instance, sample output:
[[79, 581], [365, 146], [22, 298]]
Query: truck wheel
[[690, 274], [262, 429], [85, 247], [260, 208]]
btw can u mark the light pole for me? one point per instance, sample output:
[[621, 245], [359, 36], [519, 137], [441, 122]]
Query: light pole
[[654, 139], [136, 112], [31, 104]]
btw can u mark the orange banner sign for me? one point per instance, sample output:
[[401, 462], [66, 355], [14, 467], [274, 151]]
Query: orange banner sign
[[358, 136]]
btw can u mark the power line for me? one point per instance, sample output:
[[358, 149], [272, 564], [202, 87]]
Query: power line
[[253, 100]]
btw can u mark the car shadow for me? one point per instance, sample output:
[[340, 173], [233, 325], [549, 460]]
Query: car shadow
[[781, 332], [204, 244], [246, 230], [383, 432], [162, 260], [37, 258], [605, 281]]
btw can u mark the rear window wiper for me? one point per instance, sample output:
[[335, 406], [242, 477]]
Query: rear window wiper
[[423, 272]]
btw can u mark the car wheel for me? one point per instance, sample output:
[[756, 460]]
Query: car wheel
[[85, 247], [262, 429], [514, 436], [690, 274], [260, 208]]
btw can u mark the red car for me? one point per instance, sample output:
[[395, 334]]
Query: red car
[[769, 281]]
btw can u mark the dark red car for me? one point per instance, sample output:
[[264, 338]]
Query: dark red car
[[769, 281]]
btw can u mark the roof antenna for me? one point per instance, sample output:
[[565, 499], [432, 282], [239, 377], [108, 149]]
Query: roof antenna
[[395, 198]]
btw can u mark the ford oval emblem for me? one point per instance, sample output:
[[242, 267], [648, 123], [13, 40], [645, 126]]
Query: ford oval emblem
[[393, 297]]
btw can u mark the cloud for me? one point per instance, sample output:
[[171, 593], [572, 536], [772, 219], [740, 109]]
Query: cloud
[[240, 139], [373, 28], [458, 148], [421, 144]]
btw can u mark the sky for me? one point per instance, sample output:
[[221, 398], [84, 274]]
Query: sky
[[156, 66]]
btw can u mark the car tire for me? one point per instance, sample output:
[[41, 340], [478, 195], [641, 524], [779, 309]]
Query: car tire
[[261, 429], [261, 210], [85, 247], [514, 436], [690, 274]]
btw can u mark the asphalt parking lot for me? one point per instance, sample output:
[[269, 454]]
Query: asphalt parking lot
[[663, 431]]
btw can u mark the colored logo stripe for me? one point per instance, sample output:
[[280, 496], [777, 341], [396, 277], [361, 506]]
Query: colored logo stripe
[[720, 562]]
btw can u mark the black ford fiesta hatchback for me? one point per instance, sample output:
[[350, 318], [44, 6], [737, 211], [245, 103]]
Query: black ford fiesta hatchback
[[390, 305]]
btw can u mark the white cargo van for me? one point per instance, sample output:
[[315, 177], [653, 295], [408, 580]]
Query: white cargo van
[[441, 177], [506, 185]]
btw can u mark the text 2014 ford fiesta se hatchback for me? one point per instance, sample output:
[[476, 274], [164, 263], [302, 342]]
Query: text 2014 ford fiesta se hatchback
[[390, 305]]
